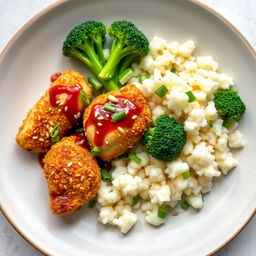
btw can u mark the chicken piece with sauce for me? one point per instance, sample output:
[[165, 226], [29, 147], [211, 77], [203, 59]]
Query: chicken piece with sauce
[[55, 112], [115, 121], [72, 173]]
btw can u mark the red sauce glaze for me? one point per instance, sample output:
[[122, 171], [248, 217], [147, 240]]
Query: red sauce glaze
[[71, 106], [54, 76], [107, 124], [40, 159], [80, 140]]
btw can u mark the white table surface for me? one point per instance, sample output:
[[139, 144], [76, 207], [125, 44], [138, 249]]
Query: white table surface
[[14, 13]]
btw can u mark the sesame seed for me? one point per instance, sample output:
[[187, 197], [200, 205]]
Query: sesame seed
[[97, 132], [107, 115], [77, 115], [52, 173], [47, 134], [65, 170], [100, 118], [81, 188], [79, 163], [99, 124], [65, 187], [77, 175], [126, 112], [61, 103], [134, 116], [57, 102], [34, 137], [96, 114], [125, 101], [41, 139], [59, 110], [66, 109], [106, 142], [69, 164], [82, 178], [70, 180], [120, 129], [51, 122]]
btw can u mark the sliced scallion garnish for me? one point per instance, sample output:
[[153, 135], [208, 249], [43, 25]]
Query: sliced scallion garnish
[[161, 213], [118, 116], [161, 91], [109, 107], [191, 96], [84, 98], [54, 133], [135, 200], [186, 175], [185, 205], [95, 151], [105, 175], [135, 158], [143, 77]]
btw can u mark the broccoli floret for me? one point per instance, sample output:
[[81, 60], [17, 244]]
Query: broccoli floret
[[229, 105], [165, 140], [128, 43], [85, 42]]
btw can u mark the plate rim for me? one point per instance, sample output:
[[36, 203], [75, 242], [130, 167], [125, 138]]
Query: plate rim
[[57, 3]]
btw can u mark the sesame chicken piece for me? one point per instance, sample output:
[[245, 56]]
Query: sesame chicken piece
[[34, 134], [73, 176], [117, 141]]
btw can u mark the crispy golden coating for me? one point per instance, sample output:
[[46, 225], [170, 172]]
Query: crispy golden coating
[[117, 142], [73, 176], [34, 133]]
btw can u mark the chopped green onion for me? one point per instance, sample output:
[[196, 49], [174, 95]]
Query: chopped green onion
[[95, 151], [84, 98], [185, 205], [143, 77], [112, 98], [54, 133], [211, 123], [191, 96], [135, 200], [162, 212], [186, 175], [161, 91], [92, 203], [105, 175], [118, 116], [109, 107], [125, 76], [95, 83], [81, 129], [123, 156], [173, 70], [135, 158], [55, 139]]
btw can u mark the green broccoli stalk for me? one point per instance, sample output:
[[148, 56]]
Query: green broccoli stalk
[[128, 43], [165, 140], [85, 42], [229, 105]]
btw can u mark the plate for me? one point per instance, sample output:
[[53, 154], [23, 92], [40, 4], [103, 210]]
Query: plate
[[26, 64]]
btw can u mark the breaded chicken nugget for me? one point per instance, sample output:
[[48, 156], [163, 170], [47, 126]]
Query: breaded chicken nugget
[[55, 112], [73, 175], [115, 121]]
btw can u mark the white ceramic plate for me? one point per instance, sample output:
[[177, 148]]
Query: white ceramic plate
[[25, 69]]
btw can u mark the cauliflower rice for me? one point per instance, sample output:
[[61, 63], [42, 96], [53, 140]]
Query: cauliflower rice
[[207, 151]]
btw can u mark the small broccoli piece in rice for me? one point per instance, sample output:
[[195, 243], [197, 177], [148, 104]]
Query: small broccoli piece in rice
[[229, 105], [165, 140]]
